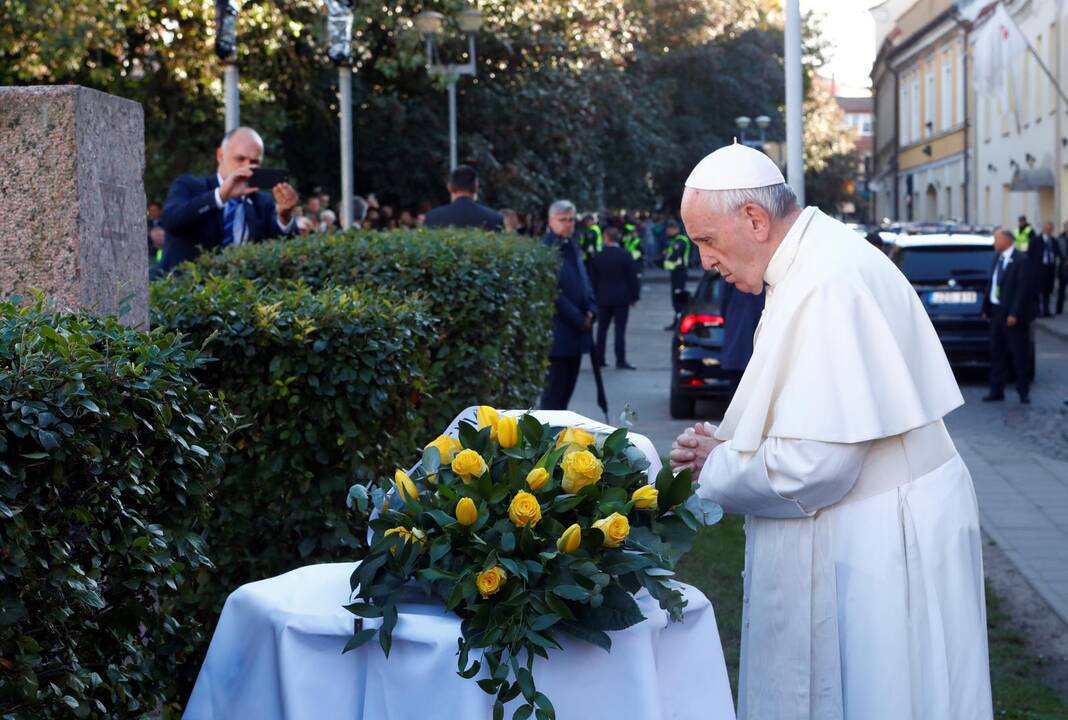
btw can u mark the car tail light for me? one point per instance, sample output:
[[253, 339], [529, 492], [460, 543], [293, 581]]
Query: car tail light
[[694, 382], [690, 321]]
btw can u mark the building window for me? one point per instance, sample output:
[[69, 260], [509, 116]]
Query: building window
[[947, 90], [929, 100], [1038, 81], [1051, 62], [958, 86], [904, 120], [914, 109]]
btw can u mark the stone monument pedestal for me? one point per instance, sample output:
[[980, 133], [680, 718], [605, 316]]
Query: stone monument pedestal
[[72, 200]]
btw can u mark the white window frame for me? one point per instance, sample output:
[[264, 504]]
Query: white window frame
[[947, 89]]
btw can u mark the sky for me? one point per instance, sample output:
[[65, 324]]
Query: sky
[[850, 31]]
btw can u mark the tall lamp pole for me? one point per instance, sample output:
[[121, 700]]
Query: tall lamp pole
[[429, 24], [226, 49], [339, 50], [795, 167]]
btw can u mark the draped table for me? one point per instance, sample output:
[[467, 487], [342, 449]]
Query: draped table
[[277, 654]]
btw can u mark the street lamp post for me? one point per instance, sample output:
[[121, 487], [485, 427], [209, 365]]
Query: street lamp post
[[743, 122], [429, 24], [226, 49], [339, 50]]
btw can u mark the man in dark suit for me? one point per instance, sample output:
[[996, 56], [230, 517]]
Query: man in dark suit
[[1061, 245], [464, 211], [741, 313], [616, 288], [575, 310], [1009, 303], [209, 212], [1048, 259]]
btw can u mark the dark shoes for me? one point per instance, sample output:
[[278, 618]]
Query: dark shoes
[[1025, 400], [670, 327], [992, 397], [625, 366]]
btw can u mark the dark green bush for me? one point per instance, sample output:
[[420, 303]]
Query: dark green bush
[[108, 455], [494, 295], [323, 384]]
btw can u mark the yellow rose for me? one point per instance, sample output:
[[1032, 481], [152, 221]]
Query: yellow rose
[[575, 438], [469, 465], [615, 527], [571, 539], [508, 432], [407, 489], [581, 468], [645, 497], [466, 512], [537, 478], [524, 510], [410, 536], [447, 448], [488, 418], [491, 581]]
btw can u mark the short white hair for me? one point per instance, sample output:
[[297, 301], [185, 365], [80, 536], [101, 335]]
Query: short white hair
[[328, 216], [777, 200], [561, 207]]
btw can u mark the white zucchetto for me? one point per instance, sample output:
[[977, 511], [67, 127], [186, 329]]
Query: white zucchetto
[[735, 167]]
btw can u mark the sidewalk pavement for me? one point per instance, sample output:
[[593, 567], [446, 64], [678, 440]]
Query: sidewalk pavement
[[1056, 325]]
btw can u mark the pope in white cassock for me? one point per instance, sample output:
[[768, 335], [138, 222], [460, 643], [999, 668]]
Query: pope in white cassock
[[863, 569]]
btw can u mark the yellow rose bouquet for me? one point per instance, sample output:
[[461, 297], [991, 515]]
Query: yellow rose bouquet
[[525, 532]]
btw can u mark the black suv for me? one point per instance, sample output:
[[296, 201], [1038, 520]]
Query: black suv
[[696, 347], [950, 273]]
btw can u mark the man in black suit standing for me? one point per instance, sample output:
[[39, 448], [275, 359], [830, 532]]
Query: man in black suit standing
[[614, 276], [1061, 245], [463, 211], [209, 212], [1009, 304], [1047, 269], [575, 310]]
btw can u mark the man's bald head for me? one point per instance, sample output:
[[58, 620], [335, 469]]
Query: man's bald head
[[240, 147]]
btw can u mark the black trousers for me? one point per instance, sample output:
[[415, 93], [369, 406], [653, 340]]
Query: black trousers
[[1009, 349], [560, 382], [1045, 292], [678, 286], [1062, 280], [606, 316]]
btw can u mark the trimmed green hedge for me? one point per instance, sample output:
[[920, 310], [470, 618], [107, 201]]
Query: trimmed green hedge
[[494, 295], [324, 385], [108, 455]]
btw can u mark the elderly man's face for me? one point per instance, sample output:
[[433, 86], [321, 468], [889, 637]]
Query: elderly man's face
[[1047, 228], [1003, 240], [241, 151], [734, 243], [563, 224]]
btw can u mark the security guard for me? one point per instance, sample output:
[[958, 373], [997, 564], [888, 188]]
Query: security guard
[[676, 262], [591, 239], [632, 241], [1024, 234]]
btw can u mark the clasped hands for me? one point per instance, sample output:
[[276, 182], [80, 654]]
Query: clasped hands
[[692, 448]]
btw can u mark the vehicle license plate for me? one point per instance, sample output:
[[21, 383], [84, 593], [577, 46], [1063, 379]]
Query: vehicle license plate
[[944, 297]]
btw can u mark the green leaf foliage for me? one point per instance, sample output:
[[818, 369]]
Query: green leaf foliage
[[493, 298], [109, 455]]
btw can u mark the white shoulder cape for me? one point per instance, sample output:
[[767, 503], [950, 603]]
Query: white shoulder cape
[[844, 353]]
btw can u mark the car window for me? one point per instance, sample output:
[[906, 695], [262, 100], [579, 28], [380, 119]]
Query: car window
[[709, 289], [942, 263]]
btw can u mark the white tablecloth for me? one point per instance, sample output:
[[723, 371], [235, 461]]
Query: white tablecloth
[[276, 654]]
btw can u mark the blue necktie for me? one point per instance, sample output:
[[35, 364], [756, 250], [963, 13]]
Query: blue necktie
[[229, 218]]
